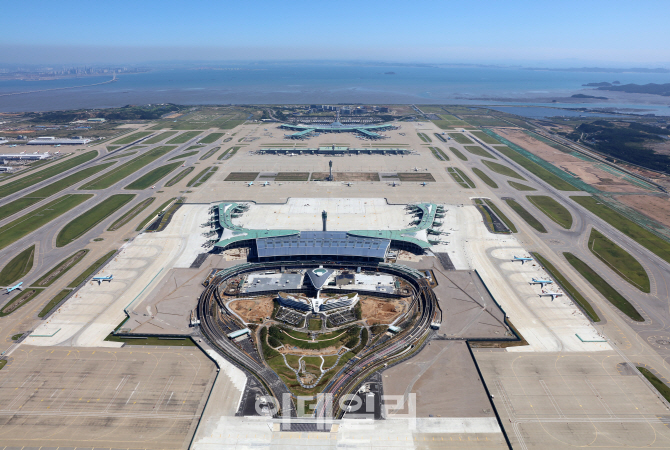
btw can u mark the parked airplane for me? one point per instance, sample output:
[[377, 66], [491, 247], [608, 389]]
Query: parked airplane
[[251, 183], [424, 184], [394, 184], [13, 288], [349, 183], [101, 279], [553, 295], [522, 259], [267, 183], [541, 282]]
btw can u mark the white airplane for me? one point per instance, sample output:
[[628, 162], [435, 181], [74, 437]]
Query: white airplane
[[541, 282], [57, 145], [553, 295], [15, 287], [101, 279], [349, 183], [267, 183], [393, 184], [522, 259], [424, 184], [251, 183], [416, 169]]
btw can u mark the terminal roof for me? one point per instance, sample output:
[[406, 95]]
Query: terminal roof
[[322, 243]]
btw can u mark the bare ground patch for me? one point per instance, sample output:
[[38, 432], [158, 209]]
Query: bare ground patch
[[377, 311], [657, 208], [241, 176], [255, 310]]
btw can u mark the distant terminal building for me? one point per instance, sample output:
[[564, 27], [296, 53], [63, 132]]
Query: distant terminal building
[[368, 131], [50, 140], [96, 120], [333, 150], [25, 156]]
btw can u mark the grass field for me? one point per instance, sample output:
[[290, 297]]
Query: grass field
[[241, 176], [206, 177], [19, 300], [229, 153], [520, 187], [477, 150], [660, 386], [80, 225], [159, 137], [416, 176], [500, 214], [90, 270], [195, 179], [18, 267], [458, 154], [460, 178], [60, 269], [184, 155], [132, 137], [155, 213], [552, 209], [619, 260], [119, 173], [30, 222], [424, 137], [184, 137], [180, 176], [152, 340], [461, 138], [29, 180], [484, 137], [607, 291], [152, 177], [315, 324], [292, 176], [210, 138], [441, 153], [437, 155], [209, 154], [448, 121], [525, 215], [485, 178], [130, 215], [537, 170], [53, 302], [502, 170], [642, 236], [567, 286]]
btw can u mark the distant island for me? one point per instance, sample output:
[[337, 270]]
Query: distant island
[[605, 70], [587, 96], [389, 73], [651, 88], [601, 84]]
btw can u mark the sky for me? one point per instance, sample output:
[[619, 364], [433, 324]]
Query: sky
[[537, 32]]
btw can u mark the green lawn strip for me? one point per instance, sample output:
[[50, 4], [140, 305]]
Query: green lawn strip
[[660, 386], [60, 269], [525, 215], [210, 138], [30, 222], [465, 178], [567, 286], [53, 302], [552, 209], [197, 177], [209, 153], [436, 154], [91, 269], [152, 177], [537, 170], [130, 215], [424, 137], [458, 154], [159, 138], [18, 267], [132, 137], [155, 213], [207, 176], [119, 156], [607, 291], [484, 137], [184, 137], [315, 324], [477, 150], [185, 155], [520, 187], [619, 260], [46, 173], [180, 176], [502, 170], [457, 178], [120, 172], [80, 225], [23, 297], [152, 340], [502, 216], [193, 147], [223, 155], [461, 138], [641, 235], [442, 154], [485, 178], [111, 148], [16, 337]]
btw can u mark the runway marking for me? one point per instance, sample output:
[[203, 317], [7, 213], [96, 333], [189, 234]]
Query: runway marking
[[599, 397], [160, 399], [118, 390]]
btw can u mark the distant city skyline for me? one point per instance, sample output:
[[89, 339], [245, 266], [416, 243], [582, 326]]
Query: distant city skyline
[[566, 34]]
